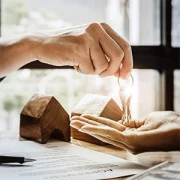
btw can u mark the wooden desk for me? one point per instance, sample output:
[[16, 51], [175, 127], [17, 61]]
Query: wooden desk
[[147, 159]]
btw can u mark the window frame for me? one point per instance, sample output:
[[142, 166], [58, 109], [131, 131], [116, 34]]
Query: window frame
[[163, 57]]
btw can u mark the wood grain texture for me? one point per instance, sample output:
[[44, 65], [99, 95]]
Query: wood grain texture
[[98, 105], [43, 117]]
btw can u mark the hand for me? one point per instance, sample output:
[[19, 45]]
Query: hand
[[159, 131], [92, 49]]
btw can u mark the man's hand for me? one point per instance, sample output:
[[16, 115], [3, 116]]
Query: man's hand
[[92, 49], [159, 131]]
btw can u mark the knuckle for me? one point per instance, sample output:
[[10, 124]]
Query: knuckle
[[119, 53], [104, 66], [84, 41], [94, 27], [127, 66], [127, 47], [83, 38], [89, 71], [103, 24], [131, 65], [110, 71]]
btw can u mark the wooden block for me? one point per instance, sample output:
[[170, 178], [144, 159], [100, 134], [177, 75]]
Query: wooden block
[[43, 117], [98, 105]]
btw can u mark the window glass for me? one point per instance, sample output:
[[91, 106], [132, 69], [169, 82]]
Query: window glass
[[132, 19], [176, 91], [144, 22], [176, 23]]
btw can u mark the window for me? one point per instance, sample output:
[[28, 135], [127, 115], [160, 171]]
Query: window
[[176, 23], [176, 91], [141, 22], [176, 43]]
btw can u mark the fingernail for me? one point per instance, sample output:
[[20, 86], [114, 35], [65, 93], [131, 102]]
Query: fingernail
[[102, 75], [126, 76], [82, 130], [74, 117], [73, 125]]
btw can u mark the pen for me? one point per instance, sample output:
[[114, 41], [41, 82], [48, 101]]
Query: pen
[[13, 159]]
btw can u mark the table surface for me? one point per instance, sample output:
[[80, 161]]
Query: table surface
[[147, 159]]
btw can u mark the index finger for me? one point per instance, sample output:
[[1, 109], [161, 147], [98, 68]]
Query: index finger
[[105, 121], [127, 62], [105, 131]]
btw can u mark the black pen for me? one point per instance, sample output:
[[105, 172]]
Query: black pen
[[14, 159]]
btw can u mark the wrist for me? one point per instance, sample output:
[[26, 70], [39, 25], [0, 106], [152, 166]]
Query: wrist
[[57, 50]]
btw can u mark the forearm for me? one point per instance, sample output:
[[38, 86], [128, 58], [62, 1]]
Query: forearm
[[86, 48], [16, 52]]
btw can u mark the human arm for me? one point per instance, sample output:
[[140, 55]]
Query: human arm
[[159, 131], [16, 52], [85, 47]]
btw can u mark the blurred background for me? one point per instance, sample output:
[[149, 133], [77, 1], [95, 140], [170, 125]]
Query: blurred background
[[138, 21]]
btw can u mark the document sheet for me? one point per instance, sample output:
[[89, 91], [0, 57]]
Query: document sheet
[[62, 160], [165, 170]]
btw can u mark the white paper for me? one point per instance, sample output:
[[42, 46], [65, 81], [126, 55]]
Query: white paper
[[165, 170], [62, 160]]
